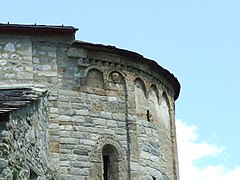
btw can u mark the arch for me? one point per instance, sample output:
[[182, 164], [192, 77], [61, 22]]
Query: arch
[[154, 101], [140, 85], [116, 77], [116, 81], [140, 96], [154, 92], [94, 78], [103, 140], [110, 161], [107, 144]]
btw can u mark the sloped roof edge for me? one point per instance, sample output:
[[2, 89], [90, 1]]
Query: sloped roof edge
[[13, 97], [37, 29]]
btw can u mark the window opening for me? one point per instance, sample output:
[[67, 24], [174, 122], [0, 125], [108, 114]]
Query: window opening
[[148, 116], [110, 162], [106, 164]]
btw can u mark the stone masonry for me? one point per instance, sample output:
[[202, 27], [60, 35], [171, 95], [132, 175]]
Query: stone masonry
[[81, 111]]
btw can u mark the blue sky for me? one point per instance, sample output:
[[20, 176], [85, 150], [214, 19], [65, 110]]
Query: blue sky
[[197, 40]]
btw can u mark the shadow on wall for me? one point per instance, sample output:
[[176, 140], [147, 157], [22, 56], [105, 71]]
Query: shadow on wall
[[151, 103]]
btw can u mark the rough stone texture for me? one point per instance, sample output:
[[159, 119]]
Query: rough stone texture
[[13, 98], [24, 139], [101, 108]]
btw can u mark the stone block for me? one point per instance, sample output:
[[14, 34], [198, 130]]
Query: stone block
[[3, 62], [65, 134], [106, 115], [118, 116], [112, 99], [87, 142], [68, 141], [83, 152], [64, 164], [47, 73], [10, 47], [54, 147], [82, 164], [79, 171]]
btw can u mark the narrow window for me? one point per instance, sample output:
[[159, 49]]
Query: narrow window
[[106, 167], [110, 164], [149, 116]]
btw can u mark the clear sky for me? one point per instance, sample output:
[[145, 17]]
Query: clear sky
[[197, 40]]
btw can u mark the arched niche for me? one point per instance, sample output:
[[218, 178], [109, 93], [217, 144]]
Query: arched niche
[[154, 93], [116, 81], [140, 96], [116, 77], [94, 78], [154, 102], [164, 110], [117, 157]]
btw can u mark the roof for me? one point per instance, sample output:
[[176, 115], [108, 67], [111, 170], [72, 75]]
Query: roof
[[154, 66], [37, 29], [15, 97]]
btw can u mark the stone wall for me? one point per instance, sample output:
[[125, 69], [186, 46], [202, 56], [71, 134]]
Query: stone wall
[[109, 112], [25, 145], [105, 102], [15, 59], [4, 147]]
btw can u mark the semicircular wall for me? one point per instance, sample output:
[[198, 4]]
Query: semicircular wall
[[131, 99]]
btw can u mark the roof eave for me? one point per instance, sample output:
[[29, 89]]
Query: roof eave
[[37, 29]]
